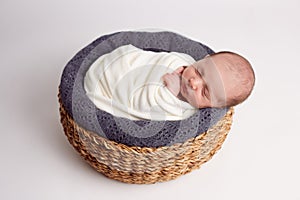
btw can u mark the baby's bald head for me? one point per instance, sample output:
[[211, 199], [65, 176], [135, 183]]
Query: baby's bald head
[[240, 74]]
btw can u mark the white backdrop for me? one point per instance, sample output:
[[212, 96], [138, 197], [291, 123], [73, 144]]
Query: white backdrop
[[259, 159]]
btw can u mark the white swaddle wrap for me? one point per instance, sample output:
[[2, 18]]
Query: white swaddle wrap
[[127, 82]]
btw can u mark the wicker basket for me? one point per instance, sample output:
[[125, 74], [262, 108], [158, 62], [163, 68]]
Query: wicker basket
[[144, 165]]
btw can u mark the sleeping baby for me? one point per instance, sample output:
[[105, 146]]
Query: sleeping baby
[[218, 80], [137, 84]]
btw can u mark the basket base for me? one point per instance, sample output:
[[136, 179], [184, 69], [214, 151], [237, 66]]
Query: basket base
[[144, 165]]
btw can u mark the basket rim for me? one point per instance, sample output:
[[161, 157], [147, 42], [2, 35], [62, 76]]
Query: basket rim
[[140, 149]]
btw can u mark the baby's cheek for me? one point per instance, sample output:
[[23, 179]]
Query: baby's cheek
[[191, 99]]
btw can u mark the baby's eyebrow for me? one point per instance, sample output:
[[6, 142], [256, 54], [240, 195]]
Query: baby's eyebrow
[[197, 72]]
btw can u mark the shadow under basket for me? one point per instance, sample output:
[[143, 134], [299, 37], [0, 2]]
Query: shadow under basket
[[145, 165]]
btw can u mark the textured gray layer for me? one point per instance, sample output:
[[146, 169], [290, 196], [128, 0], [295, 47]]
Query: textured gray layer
[[143, 133]]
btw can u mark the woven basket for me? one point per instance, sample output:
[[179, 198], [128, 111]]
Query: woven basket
[[144, 165]]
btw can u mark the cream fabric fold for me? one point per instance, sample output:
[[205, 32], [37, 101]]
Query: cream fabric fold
[[127, 82]]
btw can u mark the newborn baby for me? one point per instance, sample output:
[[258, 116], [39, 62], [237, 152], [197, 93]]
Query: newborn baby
[[138, 84], [218, 80]]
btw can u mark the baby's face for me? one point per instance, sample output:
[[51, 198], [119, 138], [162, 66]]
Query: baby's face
[[208, 86]]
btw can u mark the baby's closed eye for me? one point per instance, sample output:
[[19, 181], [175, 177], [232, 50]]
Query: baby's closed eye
[[206, 93]]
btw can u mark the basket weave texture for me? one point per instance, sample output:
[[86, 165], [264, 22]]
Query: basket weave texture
[[144, 165]]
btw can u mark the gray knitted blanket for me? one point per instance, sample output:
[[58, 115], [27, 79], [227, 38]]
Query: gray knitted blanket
[[143, 133]]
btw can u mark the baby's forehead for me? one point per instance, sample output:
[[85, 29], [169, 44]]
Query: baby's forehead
[[206, 67], [224, 66]]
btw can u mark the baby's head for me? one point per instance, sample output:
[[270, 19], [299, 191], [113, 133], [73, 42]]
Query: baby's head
[[219, 80]]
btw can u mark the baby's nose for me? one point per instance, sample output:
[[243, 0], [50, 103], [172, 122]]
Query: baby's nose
[[195, 83]]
